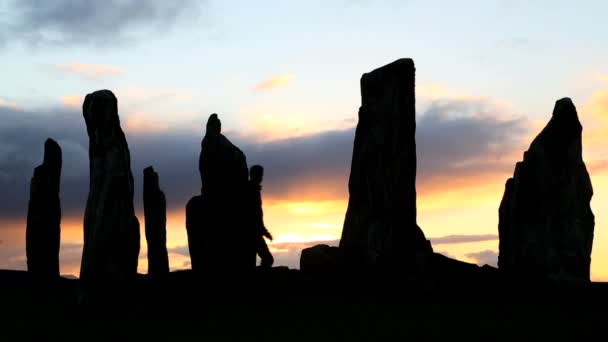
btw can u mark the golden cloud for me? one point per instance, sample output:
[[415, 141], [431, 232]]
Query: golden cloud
[[275, 82], [601, 77], [140, 124], [91, 71], [71, 100], [8, 104]]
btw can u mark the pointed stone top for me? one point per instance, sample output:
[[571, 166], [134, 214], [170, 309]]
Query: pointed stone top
[[564, 119], [214, 125], [150, 178], [149, 169], [565, 110]]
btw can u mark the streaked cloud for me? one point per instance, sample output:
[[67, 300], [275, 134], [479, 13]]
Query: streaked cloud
[[315, 167], [8, 104], [275, 82], [139, 124], [90, 71], [71, 100], [451, 239]]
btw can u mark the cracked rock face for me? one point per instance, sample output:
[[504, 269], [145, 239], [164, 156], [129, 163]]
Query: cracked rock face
[[43, 230], [380, 223], [111, 230], [545, 219], [155, 212]]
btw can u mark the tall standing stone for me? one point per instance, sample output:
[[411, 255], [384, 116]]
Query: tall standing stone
[[155, 212], [380, 223], [217, 215], [111, 230], [43, 228], [545, 219]]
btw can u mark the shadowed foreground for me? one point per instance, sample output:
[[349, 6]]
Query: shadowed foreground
[[283, 304]]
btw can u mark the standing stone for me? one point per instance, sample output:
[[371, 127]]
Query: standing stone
[[216, 216], [43, 228], [155, 212], [380, 224], [545, 220], [111, 230]]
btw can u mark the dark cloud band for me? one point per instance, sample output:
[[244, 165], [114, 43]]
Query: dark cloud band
[[106, 23]]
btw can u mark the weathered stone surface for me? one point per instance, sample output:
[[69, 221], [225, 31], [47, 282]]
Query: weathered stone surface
[[155, 213], [43, 228], [546, 224], [380, 224], [111, 230], [217, 216]]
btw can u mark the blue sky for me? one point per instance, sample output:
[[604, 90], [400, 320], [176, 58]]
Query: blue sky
[[525, 52]]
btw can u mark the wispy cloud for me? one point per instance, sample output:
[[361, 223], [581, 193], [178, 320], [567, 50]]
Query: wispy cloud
[[71, 100], [485, 257], [275, 82], [451, 239], [90, 71], [140, 124], [601, 77], [8, 104]]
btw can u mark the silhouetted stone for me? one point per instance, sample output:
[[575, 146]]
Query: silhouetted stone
[[43, 228], [380, 223], [111, 230], [155, 213], [222, 165], [546, 224], [195, 219], [322, 259], [217, 217]]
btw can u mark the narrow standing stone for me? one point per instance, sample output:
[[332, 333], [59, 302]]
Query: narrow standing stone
[[155, 212], [43, 230], [111, 230]]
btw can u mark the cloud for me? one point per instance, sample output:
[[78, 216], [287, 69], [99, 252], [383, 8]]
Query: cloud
[[601, 77], [316, 167], [275, 82], [94, 23], [8, 104], [485, 257], [71, 100], [90, 71], [452, 239]]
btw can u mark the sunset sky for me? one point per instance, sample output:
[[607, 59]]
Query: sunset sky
[[284, 78]]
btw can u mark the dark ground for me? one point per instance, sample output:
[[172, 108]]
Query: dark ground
[[286, 305]]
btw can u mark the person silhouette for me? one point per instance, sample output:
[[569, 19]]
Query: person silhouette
[[254, 196]]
